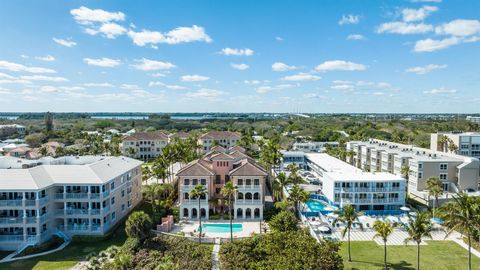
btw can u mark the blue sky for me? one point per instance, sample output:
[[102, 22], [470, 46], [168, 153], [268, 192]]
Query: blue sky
[[240, 56]]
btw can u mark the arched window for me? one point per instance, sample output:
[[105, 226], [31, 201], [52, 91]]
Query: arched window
[[203, 212], [256, 213], [194, 213], [186, 196], [248, 196], [185, 212], [248, 213], [240, 196], [256, 196], [239, 213]]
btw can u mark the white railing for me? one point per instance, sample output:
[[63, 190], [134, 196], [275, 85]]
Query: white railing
[[246, 201]]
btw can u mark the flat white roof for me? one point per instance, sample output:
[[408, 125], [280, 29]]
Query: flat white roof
[[65, 170], [342, 171]]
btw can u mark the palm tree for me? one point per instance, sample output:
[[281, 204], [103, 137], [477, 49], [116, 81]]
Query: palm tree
[[146, 173], [160, 169], [347, 215], [461, 215], [295, 178], [444, 143], [229, 190], [298, 195], [405, 171], [417, 228], [383, 229], [149, 191], [198, 192], [435, 189], [452, 146], [292, 167], [282, 182]]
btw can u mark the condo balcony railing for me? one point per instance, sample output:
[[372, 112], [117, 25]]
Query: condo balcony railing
[[11, 220], [94, 195], [76, 195], [43, 200], [30, 202], [11, 203], [11, 238], [194, 201], [247, 201], [380, 200], [70, 212], [31, 220], [249, 187], [95, 211], [362, 200]]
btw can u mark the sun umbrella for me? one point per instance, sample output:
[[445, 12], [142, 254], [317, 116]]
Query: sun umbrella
[[323, 229], [404, 208], [332, 215], [329, 208]]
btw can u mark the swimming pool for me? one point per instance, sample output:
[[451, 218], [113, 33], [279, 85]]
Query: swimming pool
[[316, 205], [221, 227]]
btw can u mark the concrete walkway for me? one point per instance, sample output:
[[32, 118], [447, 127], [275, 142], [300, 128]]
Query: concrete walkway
[[10, 258], [216, 249]]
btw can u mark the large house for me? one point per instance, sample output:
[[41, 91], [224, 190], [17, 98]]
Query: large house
[[144, 145], [225, 139], [457, 173], [344, 184], [462, 143], [85, 195], [213, 170]]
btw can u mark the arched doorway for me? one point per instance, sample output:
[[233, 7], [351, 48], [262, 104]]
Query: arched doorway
[[256, 213], [203, 213], [185, 212], [239, 213], [248, 213], [194, 213]]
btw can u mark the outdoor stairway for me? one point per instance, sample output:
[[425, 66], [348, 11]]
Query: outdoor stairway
[[216, 249]]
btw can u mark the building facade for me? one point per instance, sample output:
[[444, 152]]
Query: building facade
[[345, 184], [85, 195], [213, 170], [456, 172], [312, 146], [225, 139], [462, 143], [144, 145]]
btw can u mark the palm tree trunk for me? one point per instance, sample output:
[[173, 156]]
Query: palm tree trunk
[[349, 254], [418, 255], [200, 221], [385, 254], [469, 252], [230, 215]]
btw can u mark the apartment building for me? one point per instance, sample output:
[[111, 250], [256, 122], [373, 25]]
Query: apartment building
[[456, 172], [464, 143], [290, 157], [313, 146], [226, 139], [144, 145], [7, 130], [473, 119], [213, 170], [84, 195], [345, 184]]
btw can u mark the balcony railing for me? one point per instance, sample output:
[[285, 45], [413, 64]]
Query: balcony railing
[[30, 202], [59, 212], [76, 195], [249, 187], [246, 201], [11, 238], [195, 201], [11, 220], [11, 202], [380, 200], [43, 200], [59, 196], [94, 196], [95, 211], [77, 212], [31, 220]]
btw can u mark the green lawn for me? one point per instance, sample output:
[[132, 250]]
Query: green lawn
[[436, 255], [68, 257]]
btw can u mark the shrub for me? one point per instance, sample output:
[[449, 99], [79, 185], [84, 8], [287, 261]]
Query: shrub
[[283, 222], [138, 225]]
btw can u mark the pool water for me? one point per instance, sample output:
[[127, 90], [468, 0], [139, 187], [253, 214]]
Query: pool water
[[221, 227], [315, 205]]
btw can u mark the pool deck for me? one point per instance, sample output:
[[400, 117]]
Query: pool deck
[[249, 228]]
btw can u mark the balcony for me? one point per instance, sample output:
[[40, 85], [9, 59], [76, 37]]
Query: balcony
[[76, 195], [43, 200], [249, 187], [106, 209], [59, 196], [43, 218], [30, 202], [362, 200], [78, 227], [31, 220], [380, 200], [194, 201], [11, 220], [11, 203], [77, 212], [247, 202], [362, 189], [11, 238], [94, 196], [95, 211], [59, 212], [105, 193]]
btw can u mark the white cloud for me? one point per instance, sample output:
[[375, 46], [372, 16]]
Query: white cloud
[[361, 85], [425, 69], [158, 74], [412, 15], [278, 66], [349, 19], [175, 36], [150, 65], [98, 84], [378, 93], [267, 88], [356, 37], [211, 94], [278, 38], [44, 78], [194, 78], [459, 28], [439, 91], [404, 28], [430, 45], [130, 87], [340, 65], [47, 58], [239, 66], [237, 52], [253, 82], [19, 67], [302, 77], [85, 16], [65, 42], [112, 30], [102, 62], [168, 86]]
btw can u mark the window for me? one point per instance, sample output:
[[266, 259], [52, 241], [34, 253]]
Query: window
[[240, 182], [256, 182], [217, 179], [129, 203], [443, 176], [420, 165], [113, 216], [123, 207], [112, 186], [112, 201], [186, 182], [443, 166], [194, 182], [203, 181], [123, 193], [227, 178], [218, 190], [420, 175]]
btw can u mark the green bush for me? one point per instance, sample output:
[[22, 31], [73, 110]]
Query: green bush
[[283, 222], [214, 217]]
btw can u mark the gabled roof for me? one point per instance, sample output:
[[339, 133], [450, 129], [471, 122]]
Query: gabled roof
[[237, 148], [148, 136], [222, 156], [218, 148], [248, 169], [195, 168], [180, 135]]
